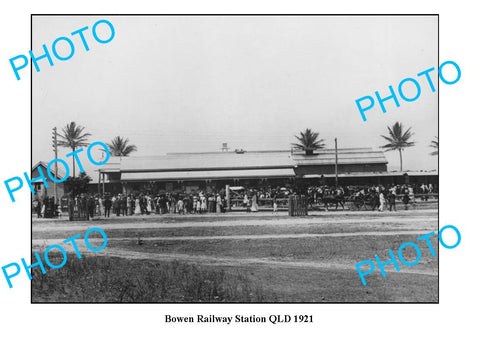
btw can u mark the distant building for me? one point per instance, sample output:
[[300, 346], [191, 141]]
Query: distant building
[[40, 190], [214, 170]]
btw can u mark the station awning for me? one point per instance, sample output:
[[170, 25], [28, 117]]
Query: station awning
[[204, 175], [373, 174]]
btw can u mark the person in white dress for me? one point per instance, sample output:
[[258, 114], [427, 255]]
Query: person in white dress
[[219, 204], [198, 208], [203, 200], [149, 204], [180, 206], [382, 202], [245, 200], [254, 207], [137, 206]]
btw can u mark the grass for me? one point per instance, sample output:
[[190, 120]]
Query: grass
[[110, 279]]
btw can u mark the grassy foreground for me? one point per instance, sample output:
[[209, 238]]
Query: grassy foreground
[[110, 279]]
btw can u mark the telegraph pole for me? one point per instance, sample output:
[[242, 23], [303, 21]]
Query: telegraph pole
[[55, 150], [336, 164]]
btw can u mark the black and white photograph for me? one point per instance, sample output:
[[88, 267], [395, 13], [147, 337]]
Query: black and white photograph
[[227, 159]]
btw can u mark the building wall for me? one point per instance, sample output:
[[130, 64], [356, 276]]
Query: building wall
[[330, 169], [40, 190]]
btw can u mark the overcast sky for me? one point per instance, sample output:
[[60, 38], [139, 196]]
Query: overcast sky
[[172, 83]]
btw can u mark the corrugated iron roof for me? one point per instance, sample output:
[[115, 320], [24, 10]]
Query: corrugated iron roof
[[201, 175], [212, 161], [207, 161], [345, 156]]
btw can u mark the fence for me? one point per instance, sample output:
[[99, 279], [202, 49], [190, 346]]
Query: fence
[[297, 205], [262, 203]]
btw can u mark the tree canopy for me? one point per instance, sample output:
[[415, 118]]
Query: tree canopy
[[308, 141], [119, 147], [398, 139], [73, 137]]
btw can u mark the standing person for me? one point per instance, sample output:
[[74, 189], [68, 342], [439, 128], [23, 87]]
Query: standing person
[[122, 204], [391, 197], [254, 207], [129, 205], [108, 205], [195, 200], [411, 194], [245, 200], [163, 205], [219, 204], [203, 204], [157, 204], [211, 203], [97, 206], [406, 199], [198, 207], [172, 202], [148, 204], [224, 204], [101, 206], [39, 209], [190, 204], [44, 207], [142, 204], [180, 206], [91, 206], [115, 205], [275, 205], [382, 201], [375, 199], [137, 206]]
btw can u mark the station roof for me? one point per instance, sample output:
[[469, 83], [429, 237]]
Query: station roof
[[235, 160], [345, 156], [202, 175], [376, 174], [207, 161]]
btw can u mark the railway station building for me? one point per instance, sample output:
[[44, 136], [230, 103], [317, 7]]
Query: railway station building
[[214, 170]]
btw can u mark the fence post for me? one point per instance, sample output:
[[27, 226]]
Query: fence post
[[297, 205]]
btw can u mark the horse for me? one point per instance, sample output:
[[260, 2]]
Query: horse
[[333, 199]]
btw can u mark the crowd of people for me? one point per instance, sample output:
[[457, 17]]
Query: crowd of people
[[145, 203], [46, 208]]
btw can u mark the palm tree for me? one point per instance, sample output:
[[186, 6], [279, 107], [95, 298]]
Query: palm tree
[[434, 145], [398, 140], [119, 147], [73, 138], [308, 142]]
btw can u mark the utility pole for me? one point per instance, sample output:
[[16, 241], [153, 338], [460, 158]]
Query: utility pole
[[336, 164], [55, 150]]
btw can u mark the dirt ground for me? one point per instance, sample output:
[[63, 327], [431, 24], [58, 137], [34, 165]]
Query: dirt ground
[[299, 259]]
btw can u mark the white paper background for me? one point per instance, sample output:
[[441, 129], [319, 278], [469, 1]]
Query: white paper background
[[452, 323]]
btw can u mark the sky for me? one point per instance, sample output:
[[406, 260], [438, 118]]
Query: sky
[[190, 83]]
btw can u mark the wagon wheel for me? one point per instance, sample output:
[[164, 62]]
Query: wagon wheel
[[351, 206], [359, 203]]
